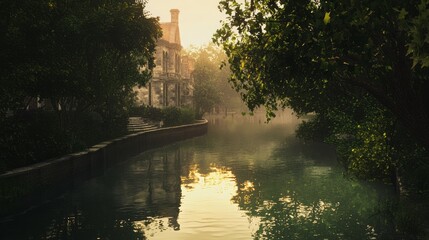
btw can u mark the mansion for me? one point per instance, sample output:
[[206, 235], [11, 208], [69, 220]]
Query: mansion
[[172, 80]]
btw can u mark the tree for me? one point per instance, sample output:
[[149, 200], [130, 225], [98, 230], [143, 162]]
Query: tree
[[77, 53], [82, 57], [211, 85], [361, 66]]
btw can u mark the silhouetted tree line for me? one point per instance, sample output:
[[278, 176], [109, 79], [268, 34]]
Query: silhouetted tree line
[[77, 59]]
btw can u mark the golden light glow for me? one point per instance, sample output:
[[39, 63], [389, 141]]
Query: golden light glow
[[198, 20], [247, 186], [207, 210]]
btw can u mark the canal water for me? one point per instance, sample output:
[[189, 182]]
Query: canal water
[[244, 180]]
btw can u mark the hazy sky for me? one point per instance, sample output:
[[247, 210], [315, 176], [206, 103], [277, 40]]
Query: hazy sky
[[198, 19]]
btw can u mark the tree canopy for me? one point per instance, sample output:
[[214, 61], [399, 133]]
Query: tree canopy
[[76, 54], [361, 66], [211, 86], [81, 58]]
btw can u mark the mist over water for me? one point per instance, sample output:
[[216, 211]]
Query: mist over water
[[244, 180]]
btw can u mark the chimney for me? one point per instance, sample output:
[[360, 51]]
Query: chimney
[[175, 15]]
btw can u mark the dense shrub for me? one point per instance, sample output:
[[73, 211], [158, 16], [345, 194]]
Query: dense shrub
[[153, 113], [173, 116], [30, 136], [33, 136], [188, 115], [177, 116], [170, 116], [148, 112]]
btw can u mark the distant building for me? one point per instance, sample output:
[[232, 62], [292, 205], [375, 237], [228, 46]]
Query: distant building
[[172, 81]]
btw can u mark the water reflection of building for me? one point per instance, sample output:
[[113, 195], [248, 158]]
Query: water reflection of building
[[152, 189], [135, 200], [164, 192], [172, 81]]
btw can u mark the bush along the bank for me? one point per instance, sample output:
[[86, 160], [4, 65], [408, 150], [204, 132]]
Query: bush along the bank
[[177, 116], [30, 137], [170, 116], [148, 112]]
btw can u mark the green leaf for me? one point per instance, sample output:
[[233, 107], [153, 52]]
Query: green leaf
[[327, 18], [402, 14]]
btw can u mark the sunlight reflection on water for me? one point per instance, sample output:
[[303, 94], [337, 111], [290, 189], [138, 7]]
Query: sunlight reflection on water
[[207, 211]]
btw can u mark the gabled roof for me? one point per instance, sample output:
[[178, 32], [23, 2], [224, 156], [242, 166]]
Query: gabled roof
[[171, 33]]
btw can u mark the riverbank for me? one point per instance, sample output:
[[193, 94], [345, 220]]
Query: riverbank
[[26, 187]]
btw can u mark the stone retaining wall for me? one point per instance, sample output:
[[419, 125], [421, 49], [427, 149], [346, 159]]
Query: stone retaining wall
[[30, 186]]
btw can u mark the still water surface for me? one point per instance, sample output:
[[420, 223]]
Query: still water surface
[[243, 180]]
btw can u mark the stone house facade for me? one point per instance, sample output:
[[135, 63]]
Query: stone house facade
[[172, 81]]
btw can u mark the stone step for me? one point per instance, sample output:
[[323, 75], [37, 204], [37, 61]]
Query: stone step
[[137, 124], [136, 129]]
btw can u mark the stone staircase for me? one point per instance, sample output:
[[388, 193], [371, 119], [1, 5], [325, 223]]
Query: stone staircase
[[137, 124]]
